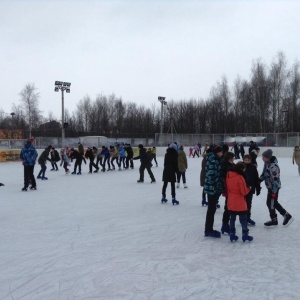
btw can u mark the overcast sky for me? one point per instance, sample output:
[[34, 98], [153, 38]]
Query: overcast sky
[[138, 50]]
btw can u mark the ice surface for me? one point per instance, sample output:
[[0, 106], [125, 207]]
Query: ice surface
[[104, 236]]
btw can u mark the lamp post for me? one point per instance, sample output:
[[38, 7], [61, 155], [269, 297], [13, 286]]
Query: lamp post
[[63, 86], [163, 102], [12, 124]]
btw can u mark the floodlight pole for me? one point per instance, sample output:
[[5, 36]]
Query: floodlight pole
[[63, 86], [163, 102], [63, 134]]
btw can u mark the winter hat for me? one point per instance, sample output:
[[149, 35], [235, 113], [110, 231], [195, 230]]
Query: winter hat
[[141, 146], [31, 139], [217, 149], [173, 145], [268, 153]]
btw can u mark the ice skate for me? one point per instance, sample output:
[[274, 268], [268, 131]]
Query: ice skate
[[175, 202], [288, 219]]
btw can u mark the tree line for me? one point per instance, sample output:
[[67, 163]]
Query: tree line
[[266, 102]]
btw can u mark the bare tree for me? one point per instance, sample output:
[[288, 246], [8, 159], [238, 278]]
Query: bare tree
[[30, 105]]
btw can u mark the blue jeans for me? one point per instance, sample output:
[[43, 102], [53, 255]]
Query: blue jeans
[[243, 221]]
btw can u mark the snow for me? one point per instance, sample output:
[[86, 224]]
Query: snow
[[104, 236]]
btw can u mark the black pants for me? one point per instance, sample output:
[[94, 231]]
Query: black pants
[[211, 210], [92, 164], [165, 188], [43, 170], [249, 197], [226, 215], [78, 164], [154, 157], [128, 160], [28, 176], [179, 174], [273, 205], [54, 165], [148, 168], [122, 161]]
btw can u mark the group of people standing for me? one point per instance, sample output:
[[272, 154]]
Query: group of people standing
[[238, 183]]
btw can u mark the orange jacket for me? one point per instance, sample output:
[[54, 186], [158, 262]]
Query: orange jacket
[[237, 190]]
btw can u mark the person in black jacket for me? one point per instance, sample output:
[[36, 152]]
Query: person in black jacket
[[42, 160], [252, 180], [227, 164], [89, 154], [54, 159], [129, 156], [145, 164], [74, 154], [169, 173]]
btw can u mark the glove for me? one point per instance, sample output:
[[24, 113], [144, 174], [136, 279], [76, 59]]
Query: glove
[[274, 196], [258, 189]]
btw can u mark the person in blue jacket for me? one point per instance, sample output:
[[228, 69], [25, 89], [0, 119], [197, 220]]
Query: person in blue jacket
[[28, 156]]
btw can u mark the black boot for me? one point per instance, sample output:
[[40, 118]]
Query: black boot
[[175, 202]]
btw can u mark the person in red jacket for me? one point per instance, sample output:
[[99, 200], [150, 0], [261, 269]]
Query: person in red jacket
[[237, 189]]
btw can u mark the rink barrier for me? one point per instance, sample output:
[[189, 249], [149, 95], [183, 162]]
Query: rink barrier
[[14, 155]]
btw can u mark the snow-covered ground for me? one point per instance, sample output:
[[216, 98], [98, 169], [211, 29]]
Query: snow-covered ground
[[104, 236]]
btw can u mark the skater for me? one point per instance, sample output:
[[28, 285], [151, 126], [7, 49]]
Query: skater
[[242, 151], [191, 151], [122, 155], [90, 154], [145, 164], [54, 155], [80, 149], [271, 176], [226, 164], [236, 151], [182, 167], [237, 190], [202, 175], [114, 154], [28, 156], [254, 153], [105, 158], [169, 173], [74, 154], [296, 158], [129, 156], [153, 150], [196, 150], [42, 161], [252, 181], [65, 161], [213, 189]]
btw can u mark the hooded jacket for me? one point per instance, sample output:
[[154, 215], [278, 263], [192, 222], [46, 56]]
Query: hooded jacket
[[237, 189], [271, 175], [28, 154]]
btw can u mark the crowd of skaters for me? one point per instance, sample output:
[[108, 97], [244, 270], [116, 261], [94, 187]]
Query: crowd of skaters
[[238, 182], [220, 175]]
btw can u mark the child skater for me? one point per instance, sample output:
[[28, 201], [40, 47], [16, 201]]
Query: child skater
[[237, 189], [253, 182], [169, 173], [271, 176], [182, 167], [65, 161]]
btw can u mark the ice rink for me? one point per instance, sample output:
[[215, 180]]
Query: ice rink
[[104, 236]]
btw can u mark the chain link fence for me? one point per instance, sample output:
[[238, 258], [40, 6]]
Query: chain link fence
[[289, 139]]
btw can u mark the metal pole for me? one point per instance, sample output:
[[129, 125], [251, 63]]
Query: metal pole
[[62, 119], [161, 117]]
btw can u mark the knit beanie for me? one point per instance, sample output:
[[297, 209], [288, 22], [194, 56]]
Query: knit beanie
[[217, 149], [268, 153], [173, 145]]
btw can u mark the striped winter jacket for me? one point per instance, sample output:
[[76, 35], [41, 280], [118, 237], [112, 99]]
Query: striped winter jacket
[[213, 180], [271, 175]]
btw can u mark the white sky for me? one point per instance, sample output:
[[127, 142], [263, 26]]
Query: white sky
[[137, 49]]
